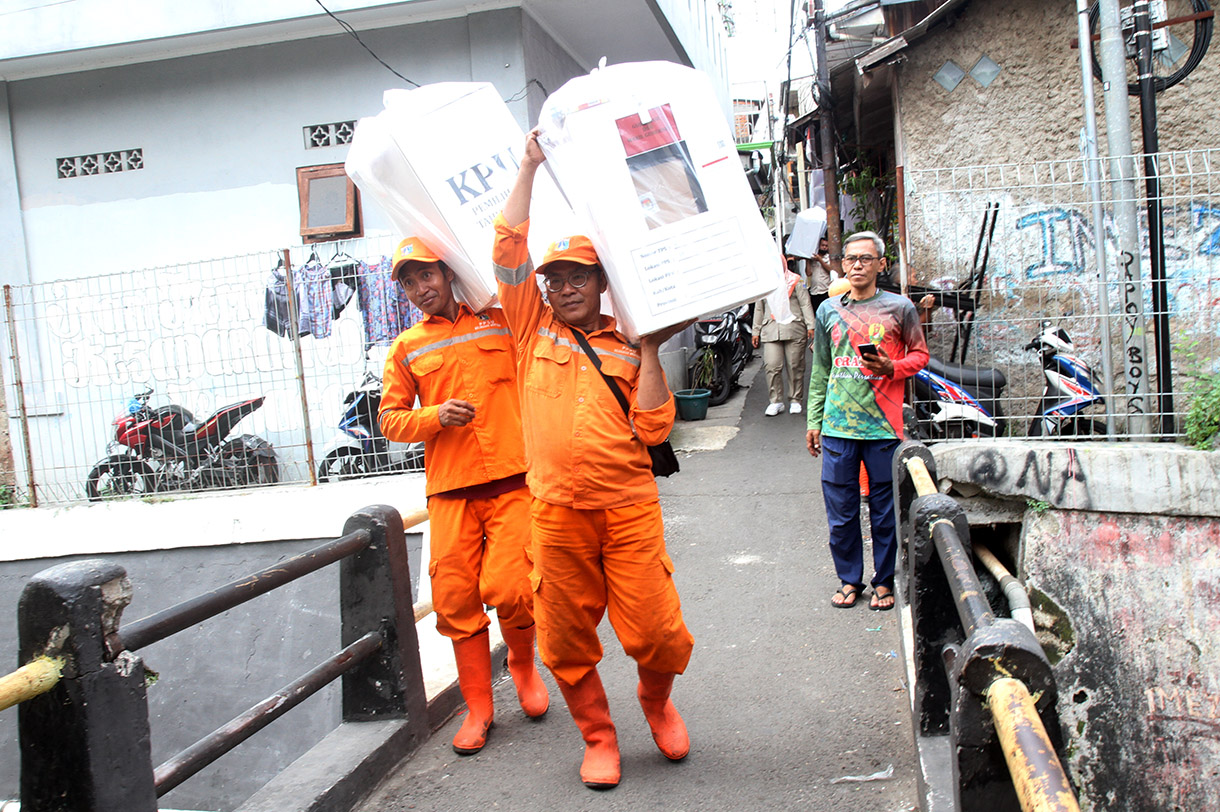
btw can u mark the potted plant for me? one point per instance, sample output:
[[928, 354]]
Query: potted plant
[[692, 403]]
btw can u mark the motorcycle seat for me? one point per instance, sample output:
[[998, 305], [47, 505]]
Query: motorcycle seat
[[977, 377]]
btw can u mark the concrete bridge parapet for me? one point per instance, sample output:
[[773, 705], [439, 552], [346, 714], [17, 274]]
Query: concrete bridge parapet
[[1143, 478]]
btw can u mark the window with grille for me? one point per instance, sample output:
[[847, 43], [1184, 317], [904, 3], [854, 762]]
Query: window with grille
[[101, 163], [329, 135]]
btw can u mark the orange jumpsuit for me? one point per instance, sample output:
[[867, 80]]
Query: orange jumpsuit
[[478, 505], [599, 542]]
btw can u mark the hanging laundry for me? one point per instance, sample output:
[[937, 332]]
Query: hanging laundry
[[275, 317], [387, 311], [343, 282], [316, 301]]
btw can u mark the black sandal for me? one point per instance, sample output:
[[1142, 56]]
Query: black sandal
[[851, 595], [877, 597]]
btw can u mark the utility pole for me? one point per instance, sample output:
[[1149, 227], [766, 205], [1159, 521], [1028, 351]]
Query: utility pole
[[830, 165], [1156, 230], [1126, 217], [1093, 174]]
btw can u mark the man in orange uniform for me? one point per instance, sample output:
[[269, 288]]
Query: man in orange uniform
[[460, 365], [599, 542]]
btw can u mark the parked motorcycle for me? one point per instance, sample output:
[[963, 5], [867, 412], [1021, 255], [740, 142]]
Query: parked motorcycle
[[165, 449], [722, 350], [365, 451], [1068, 390], [954, 401]]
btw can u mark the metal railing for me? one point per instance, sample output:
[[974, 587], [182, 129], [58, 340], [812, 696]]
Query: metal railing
[[981, 681], [1040, 263], [84, 724]]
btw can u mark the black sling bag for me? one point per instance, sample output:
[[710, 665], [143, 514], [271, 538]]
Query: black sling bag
[[664, 460]]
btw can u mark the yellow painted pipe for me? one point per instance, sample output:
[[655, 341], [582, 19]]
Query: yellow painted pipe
[[414, 517], [924, 486], [422, 610], [36, 677], [1037, 774]]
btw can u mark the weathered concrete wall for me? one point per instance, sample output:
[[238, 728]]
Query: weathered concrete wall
[[1140, 684], [1119, 547], [1032, 111], [1139, 478]]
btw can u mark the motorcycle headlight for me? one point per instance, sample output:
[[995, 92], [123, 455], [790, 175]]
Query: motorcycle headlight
[[707, 338]]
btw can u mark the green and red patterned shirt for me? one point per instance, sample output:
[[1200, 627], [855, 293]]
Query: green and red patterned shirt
[[845, 399]]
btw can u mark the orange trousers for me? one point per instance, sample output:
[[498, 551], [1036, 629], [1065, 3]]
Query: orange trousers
[[479, 557], [588, 562]]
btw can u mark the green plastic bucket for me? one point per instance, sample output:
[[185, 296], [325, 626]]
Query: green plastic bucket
[[692, 403]]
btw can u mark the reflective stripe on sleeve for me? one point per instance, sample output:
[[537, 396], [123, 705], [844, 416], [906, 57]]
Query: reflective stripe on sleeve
[[515, 276]]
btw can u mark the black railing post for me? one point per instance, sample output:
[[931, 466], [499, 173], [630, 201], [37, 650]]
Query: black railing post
[[933, 609], [375, 593], [1002, 648], [85, 743]]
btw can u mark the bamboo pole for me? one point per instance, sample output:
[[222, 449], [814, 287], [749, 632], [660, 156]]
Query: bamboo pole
[[924, 486], [36, 677]]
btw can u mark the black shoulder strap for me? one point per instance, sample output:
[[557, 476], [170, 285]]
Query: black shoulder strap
[[597, 364]]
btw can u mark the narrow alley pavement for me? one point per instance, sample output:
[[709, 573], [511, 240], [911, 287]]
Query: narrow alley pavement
[[790, 702]]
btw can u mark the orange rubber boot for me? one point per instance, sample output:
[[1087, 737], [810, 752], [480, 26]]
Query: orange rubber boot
[[531, 691], [668, 729], [591, 712], [473, 657]]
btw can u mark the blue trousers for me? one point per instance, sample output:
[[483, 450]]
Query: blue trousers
[[841, 491]]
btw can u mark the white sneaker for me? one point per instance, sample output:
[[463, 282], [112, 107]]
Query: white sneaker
[[795, 408], [774, 409]]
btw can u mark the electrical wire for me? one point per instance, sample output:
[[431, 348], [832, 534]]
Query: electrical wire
[[343, 24], [523, 92], [518, 96]]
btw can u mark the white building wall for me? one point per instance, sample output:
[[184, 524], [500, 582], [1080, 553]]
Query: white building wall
[[221, 136]]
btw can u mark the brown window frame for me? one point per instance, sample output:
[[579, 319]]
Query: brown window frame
[[351, 226]]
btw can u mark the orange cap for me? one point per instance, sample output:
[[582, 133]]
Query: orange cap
[[576, 249], [412, 249], [838, 287]]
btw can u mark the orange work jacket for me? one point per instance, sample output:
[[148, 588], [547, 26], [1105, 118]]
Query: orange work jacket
[[583, 452], [469, 359]]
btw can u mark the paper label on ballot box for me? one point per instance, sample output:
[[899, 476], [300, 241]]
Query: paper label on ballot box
[[702, 256]]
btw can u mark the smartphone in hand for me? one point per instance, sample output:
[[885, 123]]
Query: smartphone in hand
[[866, 349]]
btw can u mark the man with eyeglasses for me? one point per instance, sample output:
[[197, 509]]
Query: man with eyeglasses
[[866, 343], [599, 542], [460, 366]]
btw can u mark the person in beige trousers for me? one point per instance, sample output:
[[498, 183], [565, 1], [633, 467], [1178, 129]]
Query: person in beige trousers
[[785, 345]]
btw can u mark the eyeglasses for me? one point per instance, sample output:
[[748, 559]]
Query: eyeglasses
[[863, 259], [577, 279]]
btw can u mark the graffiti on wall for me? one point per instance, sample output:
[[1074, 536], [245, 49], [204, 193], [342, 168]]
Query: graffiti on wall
[[1042, 265]]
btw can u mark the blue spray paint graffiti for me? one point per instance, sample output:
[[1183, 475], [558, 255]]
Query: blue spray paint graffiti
[[1058, 226], [1199, 213]]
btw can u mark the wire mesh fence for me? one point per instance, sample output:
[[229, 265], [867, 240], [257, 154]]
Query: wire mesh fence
[[246, 393], [1034, 272], [201, 376]]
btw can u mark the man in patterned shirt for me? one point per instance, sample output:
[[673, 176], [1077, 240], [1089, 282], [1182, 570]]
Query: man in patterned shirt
[[866, 343]]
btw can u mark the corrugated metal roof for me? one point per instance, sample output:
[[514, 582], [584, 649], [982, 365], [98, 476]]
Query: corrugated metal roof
[[875, 56]]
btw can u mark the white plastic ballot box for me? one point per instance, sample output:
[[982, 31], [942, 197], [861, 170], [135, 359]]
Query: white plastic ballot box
[[440, 161], [643, 154]]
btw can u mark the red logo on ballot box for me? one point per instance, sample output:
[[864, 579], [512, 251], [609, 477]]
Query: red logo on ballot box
[[640, 136]]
